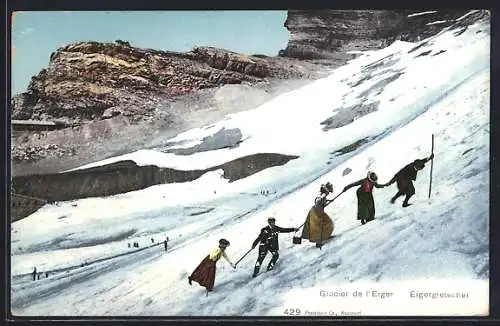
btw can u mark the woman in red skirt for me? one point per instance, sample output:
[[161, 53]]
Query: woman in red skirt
[[204, 274]]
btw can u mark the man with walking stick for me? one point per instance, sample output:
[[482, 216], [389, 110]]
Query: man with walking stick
[[405, 178], [268, 239], [243, 257]]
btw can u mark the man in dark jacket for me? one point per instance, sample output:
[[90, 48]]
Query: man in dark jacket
[[404, 179], [268, 239]]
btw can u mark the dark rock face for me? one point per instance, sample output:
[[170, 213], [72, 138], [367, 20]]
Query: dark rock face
[[331, 34], [124, 176], [224, 138], [22, 206], [248, 165], [105, 180]]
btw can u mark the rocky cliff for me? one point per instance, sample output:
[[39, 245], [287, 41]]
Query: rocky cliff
[[86, 81], [113, 94], [337, 34], [115, 97]]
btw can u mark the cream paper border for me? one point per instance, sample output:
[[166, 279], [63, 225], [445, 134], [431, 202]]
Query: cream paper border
[[400, 298]]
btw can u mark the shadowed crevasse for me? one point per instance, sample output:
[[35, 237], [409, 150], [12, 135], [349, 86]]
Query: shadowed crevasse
[[125, 176]]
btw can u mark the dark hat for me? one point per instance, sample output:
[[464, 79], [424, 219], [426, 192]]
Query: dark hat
[[372, 176], [271, 219], [419, 164], [329, 186], [223, 242]]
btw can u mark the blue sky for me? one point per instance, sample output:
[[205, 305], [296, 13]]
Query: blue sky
[[35, 35]]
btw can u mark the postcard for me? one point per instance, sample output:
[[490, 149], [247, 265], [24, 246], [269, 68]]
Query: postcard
[[323, 164]]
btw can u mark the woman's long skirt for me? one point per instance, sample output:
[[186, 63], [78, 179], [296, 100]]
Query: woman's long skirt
[[318, 226], [366, 205], [204, 274]]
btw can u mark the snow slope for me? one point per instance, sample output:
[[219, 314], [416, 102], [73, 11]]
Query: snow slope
[[440, 86]]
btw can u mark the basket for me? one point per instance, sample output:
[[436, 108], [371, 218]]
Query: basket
[[296, 239]]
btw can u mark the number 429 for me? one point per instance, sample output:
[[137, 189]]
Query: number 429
[[292, 312]]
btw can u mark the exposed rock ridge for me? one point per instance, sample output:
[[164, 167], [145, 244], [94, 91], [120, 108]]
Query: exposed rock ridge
[[91, 80], [332, 34]]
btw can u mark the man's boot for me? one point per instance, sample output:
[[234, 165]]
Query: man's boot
[[256, 271], [407, 198], [273, 261], [405, 202]]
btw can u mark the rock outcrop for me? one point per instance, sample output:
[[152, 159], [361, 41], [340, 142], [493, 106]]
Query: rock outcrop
[[114, 97], [86, 81], [337, 34], [117, 98]]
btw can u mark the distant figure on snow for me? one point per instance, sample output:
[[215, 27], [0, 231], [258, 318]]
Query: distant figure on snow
[[34, 273], [268, 239], [204, 274], [46, 274], [404, 179], [152, 240], [366, 205], [165, 243], [318, 226]]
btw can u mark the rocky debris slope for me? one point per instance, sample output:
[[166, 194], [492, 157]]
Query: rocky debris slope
[[119, 98], [115, 97], [64, 149], [335, 34]]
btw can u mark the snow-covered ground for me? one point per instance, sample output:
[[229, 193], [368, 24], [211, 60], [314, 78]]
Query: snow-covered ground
[[438, 86]]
